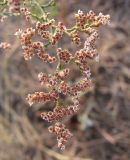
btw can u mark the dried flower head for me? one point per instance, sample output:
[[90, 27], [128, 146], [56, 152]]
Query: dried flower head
[[26, 13], [64, 55], [39, 97], [80, 19], [50, 33], [59, 112], [63, 134], [58, 33], [75, 38]]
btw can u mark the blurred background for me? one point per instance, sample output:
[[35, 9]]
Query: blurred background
[[102, 127]]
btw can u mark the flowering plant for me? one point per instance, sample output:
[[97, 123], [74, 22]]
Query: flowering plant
[[50, 32]]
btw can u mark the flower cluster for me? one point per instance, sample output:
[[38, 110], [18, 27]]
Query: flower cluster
[[80, 19], [44, 26], [73, 90], [26, 41], [64, 55], [60, 112], [58, 33], [84, 68], [29, 47], [89, 50], [26, 13], [95, 20], [63, 134], [38, 97], [52, 80], [42, 29], [75, 38], [50, 33]]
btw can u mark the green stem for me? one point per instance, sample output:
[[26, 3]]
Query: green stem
[[34, 2], [47, 44], [71, 29], [58, 68], [5, 14], [51, 3]]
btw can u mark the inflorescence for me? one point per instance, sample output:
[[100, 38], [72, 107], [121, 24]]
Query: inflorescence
[[50, 33], [57, 84]]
